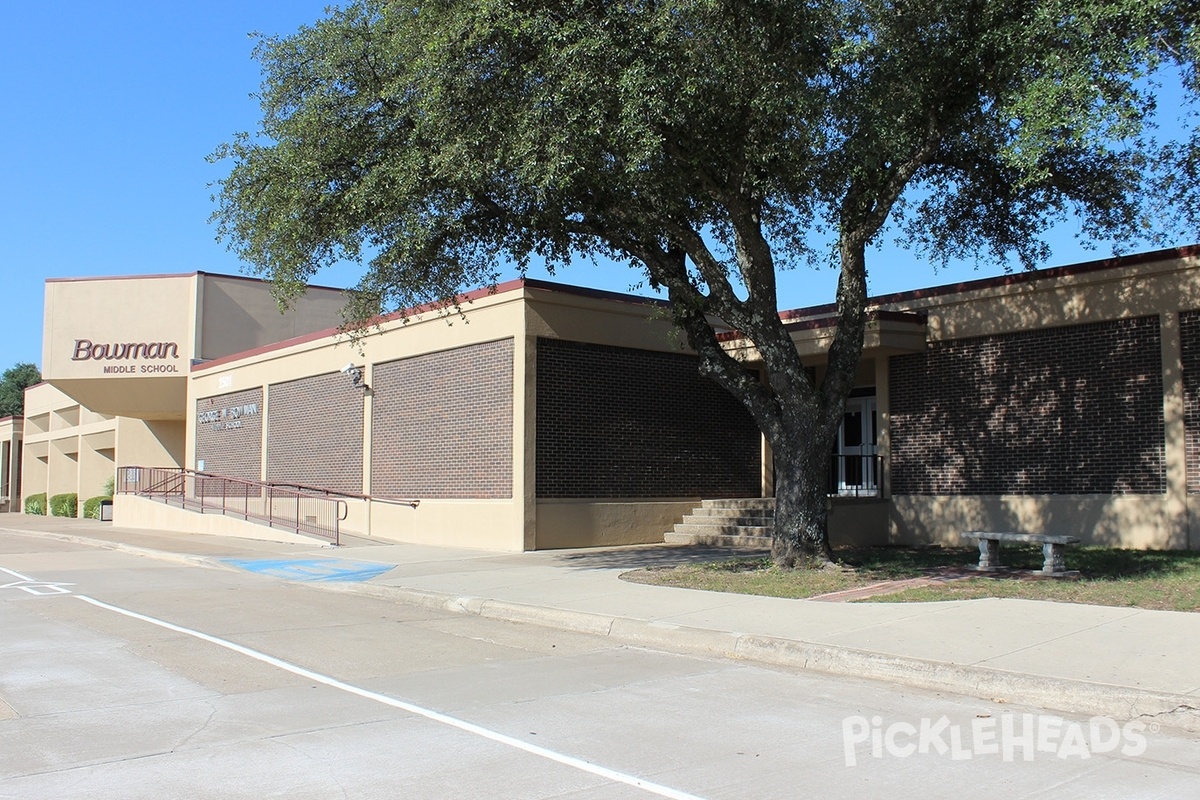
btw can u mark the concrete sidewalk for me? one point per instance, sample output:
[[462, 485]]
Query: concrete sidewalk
[[1119, 662]]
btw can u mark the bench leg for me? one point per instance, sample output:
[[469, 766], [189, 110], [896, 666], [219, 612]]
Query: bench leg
[[989, 554], [1052, 559]]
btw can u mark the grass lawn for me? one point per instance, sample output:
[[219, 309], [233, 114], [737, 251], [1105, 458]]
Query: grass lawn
[[1140, 578]]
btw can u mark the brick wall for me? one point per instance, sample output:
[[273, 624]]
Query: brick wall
[[442, 424], [1071, 410], [616, 422], [229, 434], [315, 433], [1189, 333]]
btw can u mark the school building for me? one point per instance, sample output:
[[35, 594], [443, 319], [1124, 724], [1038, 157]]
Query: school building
[[1064, 400]]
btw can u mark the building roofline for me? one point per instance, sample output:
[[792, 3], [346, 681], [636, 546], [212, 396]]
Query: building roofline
[[152, 276], [517, 284], [829, 321], [196, 273], [1010, 279]]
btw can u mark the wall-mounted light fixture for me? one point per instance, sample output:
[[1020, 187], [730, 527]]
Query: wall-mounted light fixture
[[356, 376]]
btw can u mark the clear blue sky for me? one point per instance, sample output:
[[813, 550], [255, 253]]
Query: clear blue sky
[[110, 110]]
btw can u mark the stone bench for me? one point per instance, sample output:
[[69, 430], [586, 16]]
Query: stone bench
[[1052, 549]]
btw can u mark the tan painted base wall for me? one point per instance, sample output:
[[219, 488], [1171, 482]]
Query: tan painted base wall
[[478, 524], [1133, 521], [589, 523], [858, 523], [1193, 522], [138, 512]]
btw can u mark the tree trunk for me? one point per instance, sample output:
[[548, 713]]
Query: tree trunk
[[801, 504]]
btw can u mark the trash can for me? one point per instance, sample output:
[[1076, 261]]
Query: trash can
[[106, 510]]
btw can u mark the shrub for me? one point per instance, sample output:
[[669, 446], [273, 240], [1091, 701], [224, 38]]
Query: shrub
[[36, 504], [91, 507], [65, 505]]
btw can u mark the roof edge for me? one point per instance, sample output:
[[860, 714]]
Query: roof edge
[[1012, 278], [517, 284]]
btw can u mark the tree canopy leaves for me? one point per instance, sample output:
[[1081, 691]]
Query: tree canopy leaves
[[12, 388]]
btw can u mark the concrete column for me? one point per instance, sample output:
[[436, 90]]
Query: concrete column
[[883, 434], [525, 434], [1175, 511], [265, 411], [368, 425]]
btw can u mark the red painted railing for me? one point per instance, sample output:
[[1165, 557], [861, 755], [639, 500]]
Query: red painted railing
[[301, 510]]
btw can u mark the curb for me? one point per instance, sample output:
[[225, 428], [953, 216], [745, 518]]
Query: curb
[[188, 559], [1179, 713]]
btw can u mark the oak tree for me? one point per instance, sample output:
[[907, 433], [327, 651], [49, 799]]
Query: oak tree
[[707, 144]]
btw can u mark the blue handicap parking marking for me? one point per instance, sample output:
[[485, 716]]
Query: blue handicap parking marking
[[312, 569]]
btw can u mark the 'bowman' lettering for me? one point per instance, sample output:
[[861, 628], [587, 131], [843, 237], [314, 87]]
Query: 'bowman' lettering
[[86, 350]]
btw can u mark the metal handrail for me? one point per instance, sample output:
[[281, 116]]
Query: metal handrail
[[337, 493], [305, 513], [854, 475]]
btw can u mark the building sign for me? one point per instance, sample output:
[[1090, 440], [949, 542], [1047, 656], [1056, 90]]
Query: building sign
[[87, 350], [224, 419]]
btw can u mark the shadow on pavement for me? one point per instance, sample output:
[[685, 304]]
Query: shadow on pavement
[[661, 555]]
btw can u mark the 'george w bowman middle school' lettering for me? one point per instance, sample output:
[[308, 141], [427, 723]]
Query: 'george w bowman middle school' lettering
[[85, 350]]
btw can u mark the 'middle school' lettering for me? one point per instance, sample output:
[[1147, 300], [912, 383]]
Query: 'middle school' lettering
[[85, 350]]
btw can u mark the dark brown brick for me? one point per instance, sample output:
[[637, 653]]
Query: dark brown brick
[[617, 422], [229, 434], [1070, 410], [315, 433], [443, 424]]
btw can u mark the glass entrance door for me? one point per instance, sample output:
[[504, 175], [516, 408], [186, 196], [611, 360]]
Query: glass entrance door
[[855, 456]]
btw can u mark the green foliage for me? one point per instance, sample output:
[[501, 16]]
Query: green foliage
[[65, 505], [36, 504], [12, 388], [707, 144], [441, 138], [91, 507]]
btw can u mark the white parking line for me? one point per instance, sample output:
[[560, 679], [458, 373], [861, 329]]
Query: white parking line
[[18, 575], [34, 587], [570, 761]]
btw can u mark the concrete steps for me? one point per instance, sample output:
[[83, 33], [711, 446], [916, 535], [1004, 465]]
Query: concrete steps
[[743, 522]]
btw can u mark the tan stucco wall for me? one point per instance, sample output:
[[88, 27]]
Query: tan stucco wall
[[69, 448], [10, 466], [74, 449], [183, 317], [104, 311], [236, 314], [1121, 292], [477, 524], [150, 443], [590, 523], [131, 511], [595, 319], [1135, 521], [861, 522]]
